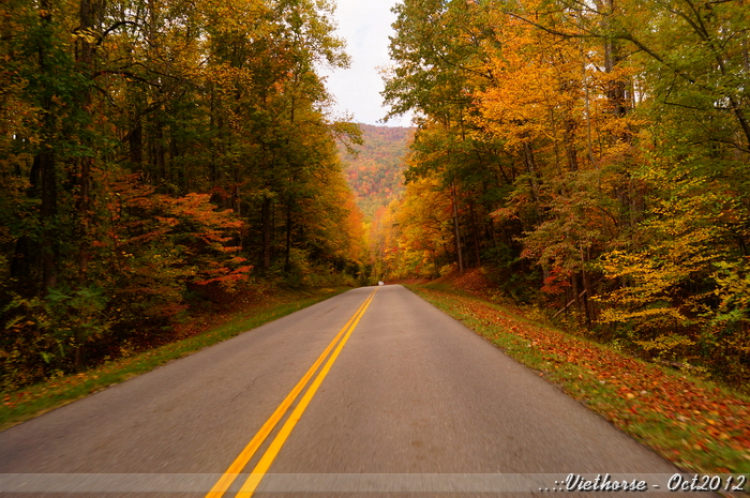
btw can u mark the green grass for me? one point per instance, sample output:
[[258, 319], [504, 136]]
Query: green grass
[[35, 400]]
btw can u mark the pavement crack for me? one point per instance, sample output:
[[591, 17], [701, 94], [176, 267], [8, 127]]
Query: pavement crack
[[249, 385]]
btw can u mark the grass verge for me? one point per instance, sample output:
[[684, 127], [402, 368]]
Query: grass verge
[[698, 425], [35, 400]]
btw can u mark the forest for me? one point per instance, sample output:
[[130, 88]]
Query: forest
[[374, 169], [592, 157], [157, 156]]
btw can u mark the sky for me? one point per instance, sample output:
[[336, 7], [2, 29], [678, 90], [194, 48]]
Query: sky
[[365, 25]]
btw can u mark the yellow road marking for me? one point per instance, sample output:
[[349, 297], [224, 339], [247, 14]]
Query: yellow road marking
[[268, 457], [226, 480]]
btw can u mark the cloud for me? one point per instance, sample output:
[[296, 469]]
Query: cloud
[[366, 26]]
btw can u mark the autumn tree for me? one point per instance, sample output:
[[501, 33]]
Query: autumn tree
[[596, 152], [155, 155], [440, 69]]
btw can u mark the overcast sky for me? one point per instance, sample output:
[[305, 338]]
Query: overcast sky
[[365, 25]]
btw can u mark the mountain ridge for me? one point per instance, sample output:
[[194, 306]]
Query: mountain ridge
[[375, 174]]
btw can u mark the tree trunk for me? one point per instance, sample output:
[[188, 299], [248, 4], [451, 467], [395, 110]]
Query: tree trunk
[[135, 144], [530, 162], [587, 109], [266, 221], [475, 234], [46, 162], [158, 155], [570, 148], [84, 65], [45, 167], [456, 228], [590, 315], [288, 249]]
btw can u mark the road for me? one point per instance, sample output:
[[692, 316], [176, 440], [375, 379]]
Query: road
[[407, 401]]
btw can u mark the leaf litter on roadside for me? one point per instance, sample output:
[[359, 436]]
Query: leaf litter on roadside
[[696, 424]]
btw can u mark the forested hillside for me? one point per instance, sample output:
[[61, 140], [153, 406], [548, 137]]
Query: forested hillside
[[375, 172], [593, 156], [156, 155]]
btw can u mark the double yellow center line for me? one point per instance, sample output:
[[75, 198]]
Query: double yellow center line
[[252, 482]]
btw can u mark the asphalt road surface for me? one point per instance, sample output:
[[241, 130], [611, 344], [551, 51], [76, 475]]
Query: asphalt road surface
[[394, 398]]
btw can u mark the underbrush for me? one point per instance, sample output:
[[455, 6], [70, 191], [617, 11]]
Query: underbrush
[[224, 318], [73, 330], [711, 352]]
